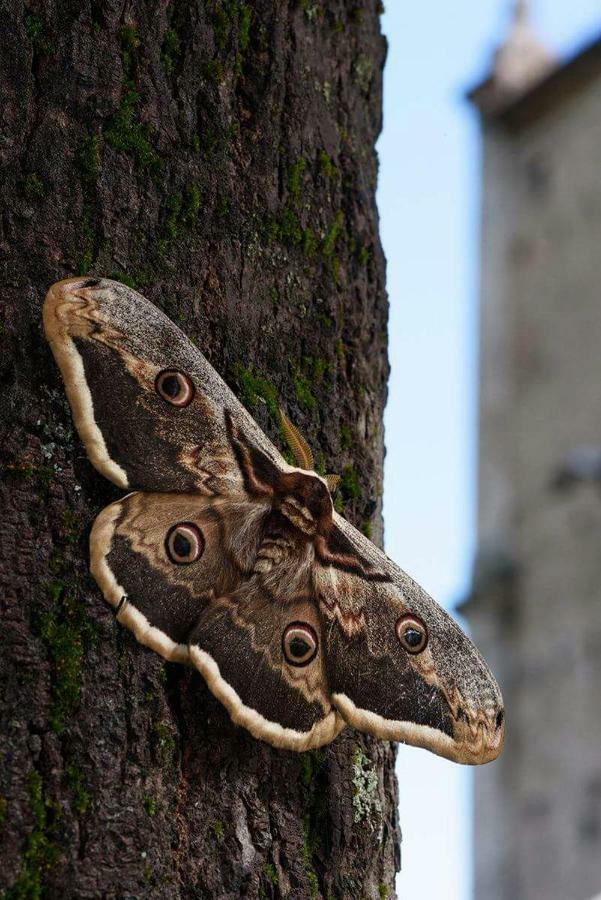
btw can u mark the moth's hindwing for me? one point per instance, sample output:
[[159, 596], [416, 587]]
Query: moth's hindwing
[[207, 607], [237, 646], [443, 698], [158, 594]]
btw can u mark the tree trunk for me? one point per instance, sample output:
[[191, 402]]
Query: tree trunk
[[219, 156]]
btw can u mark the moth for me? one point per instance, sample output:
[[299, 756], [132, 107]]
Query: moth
[[225, 557]]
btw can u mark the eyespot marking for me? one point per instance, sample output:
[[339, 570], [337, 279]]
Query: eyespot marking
[[299, 644], [174, 387], [412, 634], [184, 543]]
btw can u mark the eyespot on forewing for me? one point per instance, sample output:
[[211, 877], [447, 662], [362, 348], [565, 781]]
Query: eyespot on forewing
[[412, 634], [174, 387]]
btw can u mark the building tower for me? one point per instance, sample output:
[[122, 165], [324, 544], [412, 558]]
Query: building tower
[[535, 605]]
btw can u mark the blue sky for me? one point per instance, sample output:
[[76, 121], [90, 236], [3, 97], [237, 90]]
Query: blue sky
[[428, 201]]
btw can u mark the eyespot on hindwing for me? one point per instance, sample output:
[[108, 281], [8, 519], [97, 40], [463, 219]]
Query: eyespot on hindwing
[[184, 543], [299, 644]]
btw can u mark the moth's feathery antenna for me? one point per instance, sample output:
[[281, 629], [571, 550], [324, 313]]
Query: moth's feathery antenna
[[332, 482], [302, 451], [298, 445]]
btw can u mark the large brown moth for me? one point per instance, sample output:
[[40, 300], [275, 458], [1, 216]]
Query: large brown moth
[[224, 556]]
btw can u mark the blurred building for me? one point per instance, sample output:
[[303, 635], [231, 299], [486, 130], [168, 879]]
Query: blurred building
[[535, 607]]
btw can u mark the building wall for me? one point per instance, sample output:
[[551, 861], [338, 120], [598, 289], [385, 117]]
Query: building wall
[[536, 605]]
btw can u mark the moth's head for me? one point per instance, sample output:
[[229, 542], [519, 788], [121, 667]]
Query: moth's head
[[403, 670], [304, 499]]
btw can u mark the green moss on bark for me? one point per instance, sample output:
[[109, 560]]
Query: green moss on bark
[[170, 50], [33, 187], [345, 437], [164, 739], [41, 850], [124, 131], [36, 31], [349, 484], [81, 797]]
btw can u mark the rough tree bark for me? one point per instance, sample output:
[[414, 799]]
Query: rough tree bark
[[219, 156]]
